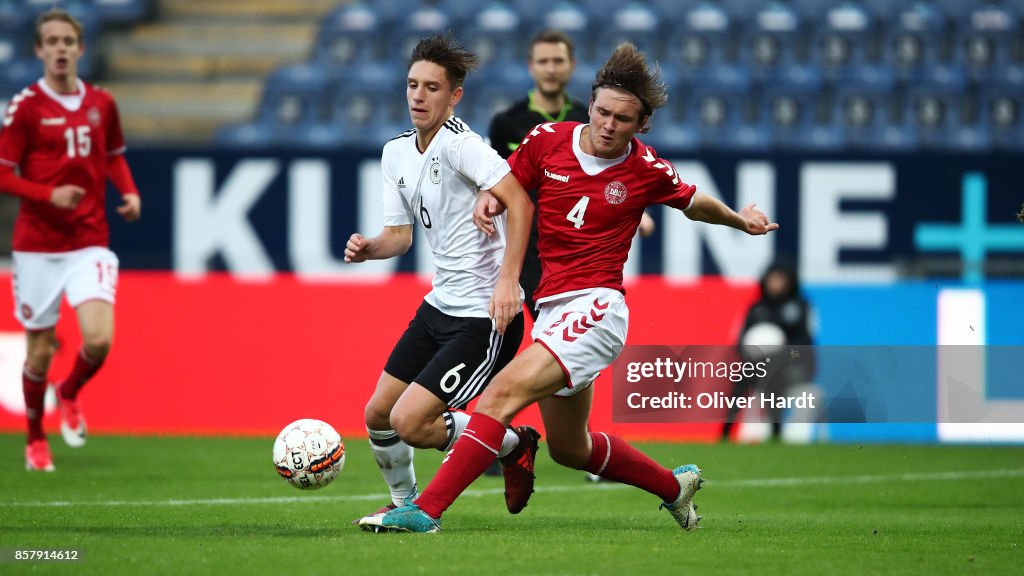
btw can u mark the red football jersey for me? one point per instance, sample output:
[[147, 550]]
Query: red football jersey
[[59, 139], [588, 208]]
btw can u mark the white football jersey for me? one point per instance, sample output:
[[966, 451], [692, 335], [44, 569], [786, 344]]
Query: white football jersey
[[437, 189]]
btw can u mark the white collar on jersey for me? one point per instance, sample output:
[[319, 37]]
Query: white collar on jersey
[[70, 102], [592, 165]]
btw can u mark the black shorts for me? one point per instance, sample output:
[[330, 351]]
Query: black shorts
[[454, 358]]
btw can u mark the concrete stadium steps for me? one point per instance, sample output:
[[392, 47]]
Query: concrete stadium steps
[[201, 37], [213, 67], [182, 111], [201, 63], [233, 10]]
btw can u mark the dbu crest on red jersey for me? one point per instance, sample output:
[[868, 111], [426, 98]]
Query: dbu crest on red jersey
[[615, 192], [94, 116]]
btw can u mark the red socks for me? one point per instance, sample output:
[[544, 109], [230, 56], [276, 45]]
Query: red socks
[[33, 386], [81, 372], [465, 462], [613, 458]]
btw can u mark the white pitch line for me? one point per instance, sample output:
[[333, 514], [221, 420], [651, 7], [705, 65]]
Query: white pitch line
[[713, 484]]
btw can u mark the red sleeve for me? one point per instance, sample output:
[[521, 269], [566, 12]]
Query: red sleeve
[[115, 138], [11, 183], [524, 160], [121, 175], [673, 191], [14, 135]]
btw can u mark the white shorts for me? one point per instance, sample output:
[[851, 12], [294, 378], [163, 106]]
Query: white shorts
[[41, 278], [585, 331]]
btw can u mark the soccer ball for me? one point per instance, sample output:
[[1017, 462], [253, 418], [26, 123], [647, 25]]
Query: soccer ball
[[309, 454], [763, 339]]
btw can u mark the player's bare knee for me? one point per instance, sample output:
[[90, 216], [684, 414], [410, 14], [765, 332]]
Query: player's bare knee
[[39, 358], [413, 428], [377, 417], [96, 346], [500, 401]]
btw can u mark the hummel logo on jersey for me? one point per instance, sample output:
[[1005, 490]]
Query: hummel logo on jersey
[[554, 176], [53, 121], [401, 183]]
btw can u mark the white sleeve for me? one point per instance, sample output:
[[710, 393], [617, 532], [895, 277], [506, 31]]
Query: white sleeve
[[397, 211], [478, 162]]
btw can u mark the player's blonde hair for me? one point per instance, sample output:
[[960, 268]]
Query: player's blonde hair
[[61, 16], [626, 69], [445, 51]]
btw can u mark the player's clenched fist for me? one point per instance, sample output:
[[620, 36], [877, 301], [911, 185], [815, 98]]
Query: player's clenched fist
[[356, 248], [67, 196]]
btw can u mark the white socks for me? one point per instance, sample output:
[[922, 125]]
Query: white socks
[[456, 423], [394, 458]]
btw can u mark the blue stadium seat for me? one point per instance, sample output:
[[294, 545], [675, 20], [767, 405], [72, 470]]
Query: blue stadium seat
[[393, 12], [348, 35], [867, 111], [744, 11], [15, 44], [633, 22], [722, 110], [888, 10], [368, 104], [13, 16], [294, 95], [671, 126], [1016, 7], [125, 12], [846, 42], [491, 91], [493, 33], [313, 136], [812, 10], [464, 10], [772, 44], [797, 116], [569, 18], [22, 72], [955, 10], [944, 116], [987, 42], [915, 43], [256, 134], [669, 10], [582, 80], [701, 41], [413, 27], [1001, 104]]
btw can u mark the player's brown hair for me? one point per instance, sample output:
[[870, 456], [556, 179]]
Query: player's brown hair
[[56, 14], [445, 51], [626, 69], [552, 36]]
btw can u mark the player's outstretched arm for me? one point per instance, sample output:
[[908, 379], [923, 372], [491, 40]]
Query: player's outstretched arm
[[505, 302], [392, 241], [749, 219]]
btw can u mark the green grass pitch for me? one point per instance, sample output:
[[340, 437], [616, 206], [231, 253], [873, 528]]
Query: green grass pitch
[[193, 506]]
